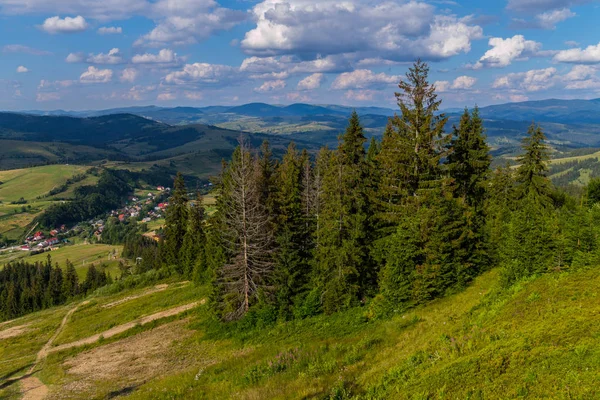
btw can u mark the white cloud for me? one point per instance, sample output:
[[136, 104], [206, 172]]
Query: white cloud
[[95, 75], [110, 30], [193, 95], [19, 48], [188, 21], [581, 77], [21, 69], [360, 95], [270, 86], [137, 93], [298, 97], [55, 25], [464, 82], [51, 96], [580, 72], [53, 85], [534, 6], [363, 78], [166, 96], [530, 81], [202, 73], [505, 51], [96, 9], [113, 57], [75, 58], [460, 83], [589, 55], [549, 19], [311, 82], [357, 27], [129, 75], [165, 56], [518, 98]]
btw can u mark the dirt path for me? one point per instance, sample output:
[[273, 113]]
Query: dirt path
[[14, 331], [125, 327], [33, 389], [45, 350]]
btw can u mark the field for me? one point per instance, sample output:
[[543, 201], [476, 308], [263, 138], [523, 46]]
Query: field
[[30, 183], [81, 255], [538, 340]]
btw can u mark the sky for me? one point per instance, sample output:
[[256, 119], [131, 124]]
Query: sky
[[98, 54]]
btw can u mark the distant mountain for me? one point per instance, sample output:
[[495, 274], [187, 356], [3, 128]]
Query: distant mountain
[[551, 110]]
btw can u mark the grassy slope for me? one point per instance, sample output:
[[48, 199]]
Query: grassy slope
[[539, 340], [81, 255]]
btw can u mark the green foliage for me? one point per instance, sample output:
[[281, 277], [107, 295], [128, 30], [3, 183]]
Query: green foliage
[[176, 223]]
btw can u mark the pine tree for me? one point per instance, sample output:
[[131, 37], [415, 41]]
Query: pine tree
[[71, 281], [246, 236], [194, 242], [292, 235], [176, 222], [532, 175], [342, 256], [55, 286]]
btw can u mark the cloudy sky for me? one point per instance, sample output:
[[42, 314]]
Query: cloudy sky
[[92, 54]]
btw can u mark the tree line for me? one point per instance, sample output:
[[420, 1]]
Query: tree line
[[27, 287]]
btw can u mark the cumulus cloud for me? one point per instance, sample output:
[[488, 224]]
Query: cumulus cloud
[[50, 96], [46, 85], [110, 30], [536, 6], [95, 75], [311, 82], [363, 78], [55, 25], [191, 95], [589, 55], [19, 48], [188, 21], [360, 95], [460, 83], [504, 51], [165, 56], [138, 93], [166, 96], [202, 73], [581, 77], [330, 27], [21, 69], [530, 81], [129, 75], [545, 20], [101, 10], [75, 58], [271, 86], [112, 57]]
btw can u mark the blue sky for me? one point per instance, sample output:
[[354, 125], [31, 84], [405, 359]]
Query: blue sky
[[90, 54]]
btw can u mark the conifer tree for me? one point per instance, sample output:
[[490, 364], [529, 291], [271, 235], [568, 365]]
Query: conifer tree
[[532, 175], [71, 281], [342, 257], [292, 235], [194, 241], [245, 232], [176, 223]]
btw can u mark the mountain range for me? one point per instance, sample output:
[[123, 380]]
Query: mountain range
[[195, 139]]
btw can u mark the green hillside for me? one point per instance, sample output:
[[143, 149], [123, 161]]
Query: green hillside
[[540, 339]]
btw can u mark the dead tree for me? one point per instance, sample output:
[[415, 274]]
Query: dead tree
[[247, 235]]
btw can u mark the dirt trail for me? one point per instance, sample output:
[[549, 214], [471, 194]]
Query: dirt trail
[[33, 389], [155, 289], [45, 350], [14, 331], [125, 327]]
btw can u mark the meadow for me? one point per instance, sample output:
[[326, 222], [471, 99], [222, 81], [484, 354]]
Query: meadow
[[539, 339]]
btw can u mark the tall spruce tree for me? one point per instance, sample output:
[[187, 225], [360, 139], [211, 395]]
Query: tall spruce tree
[[342, 256], [292, 232], [71, 281], [176, 223], [532, 174], [194, 242]]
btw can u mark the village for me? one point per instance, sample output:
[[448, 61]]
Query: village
[[141, 208]]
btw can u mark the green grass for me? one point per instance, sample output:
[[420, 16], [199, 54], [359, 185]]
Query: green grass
[[540, 339], [30, 183], [81, 255]]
